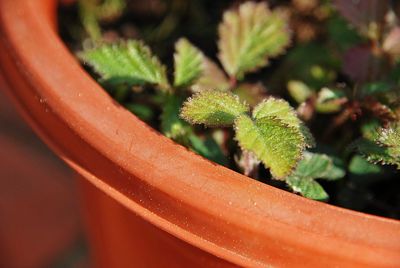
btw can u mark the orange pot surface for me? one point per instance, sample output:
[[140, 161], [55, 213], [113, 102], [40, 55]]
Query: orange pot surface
[[149, 198]]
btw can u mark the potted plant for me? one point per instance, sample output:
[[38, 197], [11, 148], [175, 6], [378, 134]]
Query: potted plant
[[150, 201]]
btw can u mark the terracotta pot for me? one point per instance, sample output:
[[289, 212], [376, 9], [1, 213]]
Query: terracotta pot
[[151, 202]]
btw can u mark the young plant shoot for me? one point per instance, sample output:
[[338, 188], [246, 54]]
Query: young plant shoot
[[345, 114]]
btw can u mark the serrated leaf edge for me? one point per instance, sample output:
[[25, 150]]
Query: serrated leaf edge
[[197, 94], [301, 147], [176, 55], [309, 141], [164, 85]]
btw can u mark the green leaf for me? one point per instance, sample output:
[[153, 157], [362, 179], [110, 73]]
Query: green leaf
[[142, 111], [212, 78], [278, 145], [175, 128], [384, 146], [128, 62], [299, 91], [249, 36], [361, 167], [337, 170], [282, 110], [172, 125], [278, 108], [208, 148], [188, 62], [372, 151], [363, 173], [314, 166], [307, 187], [319, 166], [390, 137], [213, 108]]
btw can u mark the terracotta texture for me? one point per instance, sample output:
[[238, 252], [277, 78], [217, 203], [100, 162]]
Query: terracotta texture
[[37, 211], [187, 207]]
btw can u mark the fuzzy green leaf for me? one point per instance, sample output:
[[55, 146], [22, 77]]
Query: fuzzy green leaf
[[128, 62], [208, 148], [372, 151], [384, 147], [278, 145], [314, 166], [249, 36], [281, 109], [188, 61], [278, 108], [212, 78], [213, 108], [390, 137]]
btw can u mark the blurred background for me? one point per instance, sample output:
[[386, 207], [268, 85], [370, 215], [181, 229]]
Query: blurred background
[[40, 222]]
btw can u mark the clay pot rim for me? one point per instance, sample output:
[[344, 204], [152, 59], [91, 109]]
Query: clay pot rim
[[202, 200]]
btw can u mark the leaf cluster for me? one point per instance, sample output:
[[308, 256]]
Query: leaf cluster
[[266, 129], [314, 166]]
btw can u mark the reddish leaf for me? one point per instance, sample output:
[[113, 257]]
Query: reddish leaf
[[361, 13], [379, 110], [361, 65]]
